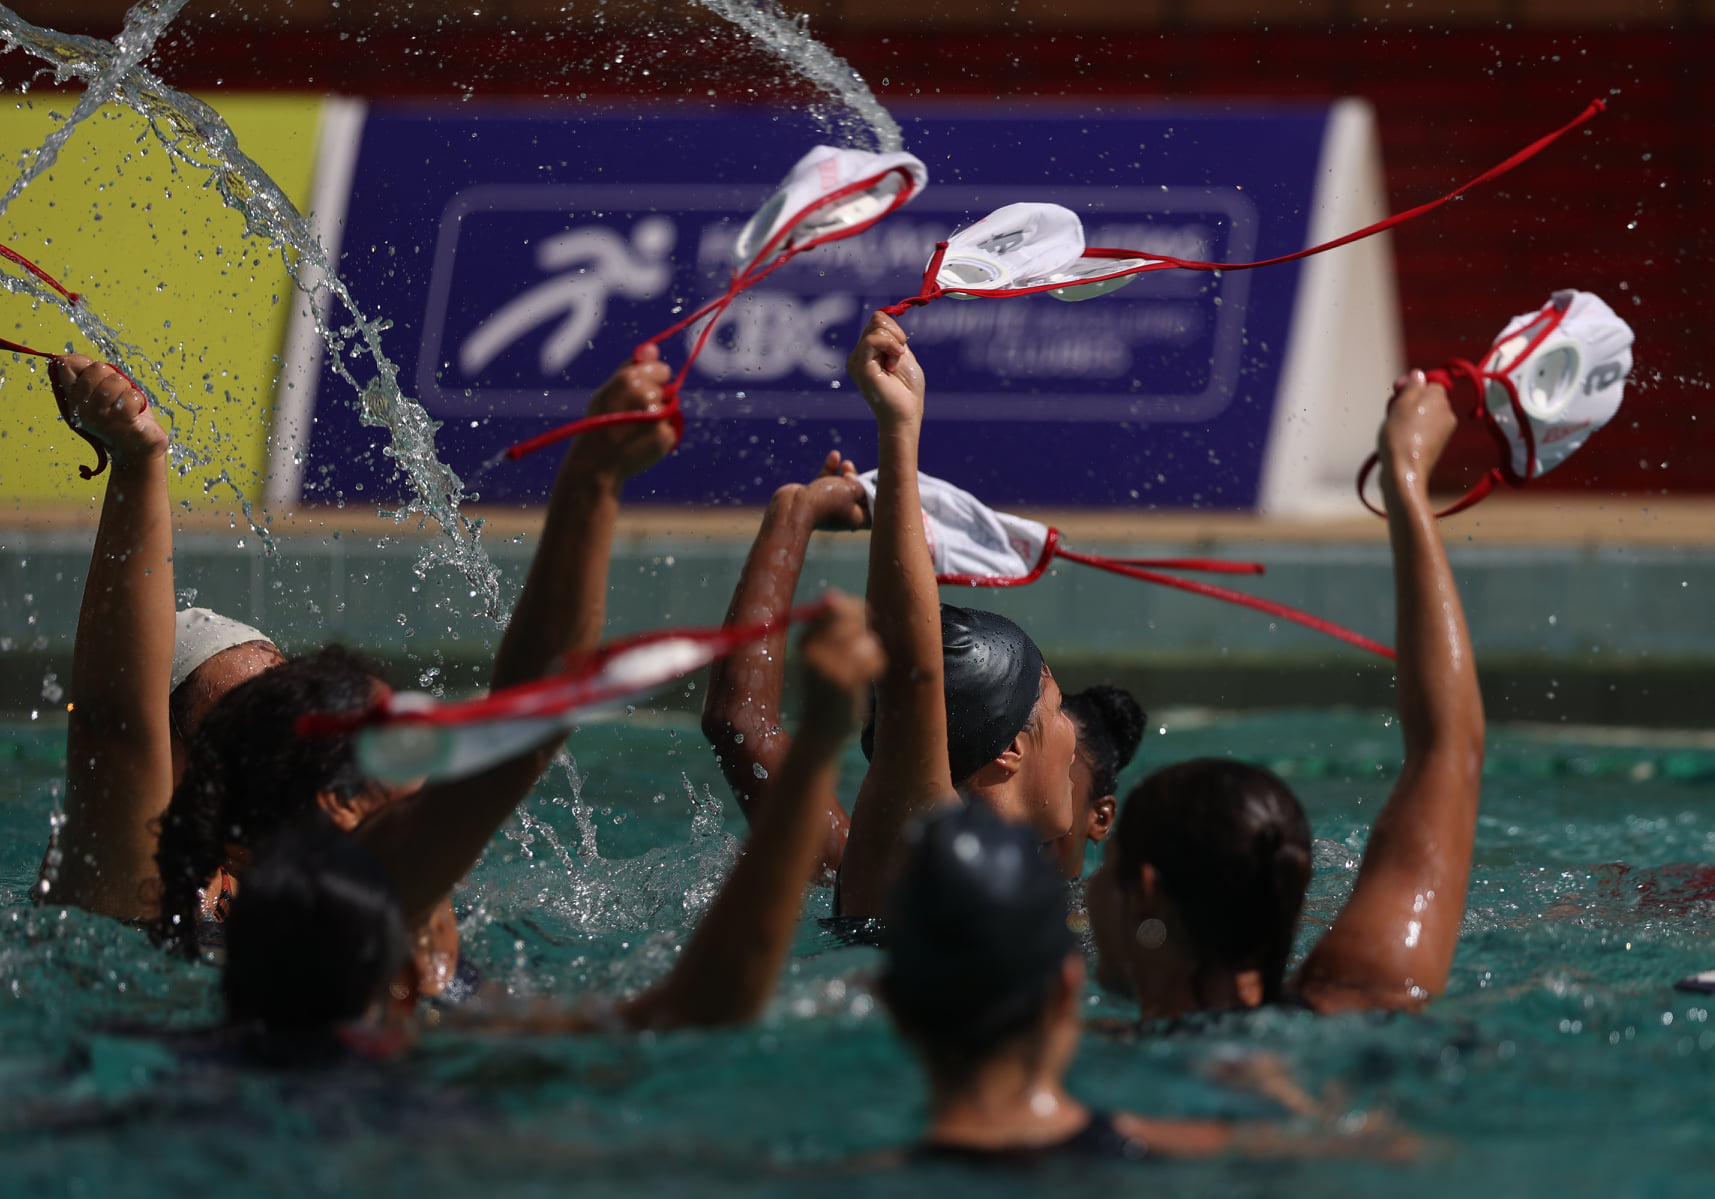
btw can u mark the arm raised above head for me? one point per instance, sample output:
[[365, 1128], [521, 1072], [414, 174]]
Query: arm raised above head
[[741, 708], [728, 968], [432, 839], [1392, 945], [119, 773], [908, 775]]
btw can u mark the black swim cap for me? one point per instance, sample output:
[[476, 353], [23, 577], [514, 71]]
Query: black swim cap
[[993, 677], [316, 933], [976, 928]]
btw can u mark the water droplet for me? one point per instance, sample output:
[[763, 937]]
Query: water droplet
[[759, 770]]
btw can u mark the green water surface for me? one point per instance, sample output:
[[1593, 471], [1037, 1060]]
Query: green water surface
[[1561, 1061]]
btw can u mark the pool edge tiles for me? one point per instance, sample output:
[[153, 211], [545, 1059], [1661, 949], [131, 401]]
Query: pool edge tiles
[[1566, 631]]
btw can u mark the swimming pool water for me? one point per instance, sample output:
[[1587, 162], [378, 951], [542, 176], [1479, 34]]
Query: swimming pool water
[[1560, 1062]]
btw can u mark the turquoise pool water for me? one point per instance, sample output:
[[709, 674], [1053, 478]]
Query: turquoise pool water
[[1562, 1062]]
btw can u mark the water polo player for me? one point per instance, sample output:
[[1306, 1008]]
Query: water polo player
[[249, 775], [141, 678], [319, 942], [741, 705], [1201, 885], [1109, 724], [966, 698], [985, 982]]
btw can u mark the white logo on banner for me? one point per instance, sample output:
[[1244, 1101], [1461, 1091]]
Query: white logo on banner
[[597, 263]]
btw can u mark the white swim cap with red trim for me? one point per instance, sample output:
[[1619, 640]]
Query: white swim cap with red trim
[[1020, 245], [830, 193], [968, 539], [1554, 377], [199, 634]]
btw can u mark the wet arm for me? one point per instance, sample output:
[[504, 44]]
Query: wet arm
[[119, 773], [908, 775], [730, 965], [1392, 945], [430, 841], [742, 708]]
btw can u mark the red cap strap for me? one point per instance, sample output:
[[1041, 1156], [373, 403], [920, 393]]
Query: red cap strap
[[1159, 262], [12, 255], [1295, 615], [1050, 547]]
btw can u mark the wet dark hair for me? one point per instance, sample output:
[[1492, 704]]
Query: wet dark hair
[[1231, 846], [1110, 726], [249, 774], [316, 933], [977, 935]]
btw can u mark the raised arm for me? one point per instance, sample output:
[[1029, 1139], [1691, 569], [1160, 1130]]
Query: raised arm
[[431, 840], [729, 967], [908, 774], [119, 773], [741, 711], [1392, 945]]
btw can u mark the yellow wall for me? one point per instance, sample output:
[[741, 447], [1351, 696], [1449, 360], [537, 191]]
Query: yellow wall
[[167, 266]]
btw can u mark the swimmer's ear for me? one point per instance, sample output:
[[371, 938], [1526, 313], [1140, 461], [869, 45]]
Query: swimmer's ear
[[1103, 812], [346, 811], [1012, 757]]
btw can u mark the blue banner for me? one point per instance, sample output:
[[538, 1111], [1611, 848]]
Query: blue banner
[[522, 254]]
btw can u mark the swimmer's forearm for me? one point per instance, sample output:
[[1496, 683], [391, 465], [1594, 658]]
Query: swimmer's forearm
[[1440, 703], [118, 741], [730, 966], [909, 773], [904, 603], [564, 602], [741, 711], [1393, 943]]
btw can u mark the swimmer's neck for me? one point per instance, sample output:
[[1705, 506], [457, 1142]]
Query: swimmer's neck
[[1008, 1101]]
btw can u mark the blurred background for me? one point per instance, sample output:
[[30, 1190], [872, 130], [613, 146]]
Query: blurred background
[[1234, 432]]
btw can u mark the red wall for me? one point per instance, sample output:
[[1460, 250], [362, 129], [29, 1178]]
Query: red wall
[[1618, 210]]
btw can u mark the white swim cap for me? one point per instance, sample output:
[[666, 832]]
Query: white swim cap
[[1021, 245], [969, 540], [199, 634], [1554, 377], [830, 193]]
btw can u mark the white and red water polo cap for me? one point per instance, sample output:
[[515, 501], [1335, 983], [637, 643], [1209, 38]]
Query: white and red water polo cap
[[1550, 380], [1554, 377], [1018, 246], [972, 544], [831, 193]]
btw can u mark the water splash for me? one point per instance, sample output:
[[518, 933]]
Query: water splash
[[194, 134], [789, 39], [144, 24]]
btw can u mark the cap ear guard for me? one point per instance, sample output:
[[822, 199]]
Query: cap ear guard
[[1553, 378], [1088, 278], [1020, 245]]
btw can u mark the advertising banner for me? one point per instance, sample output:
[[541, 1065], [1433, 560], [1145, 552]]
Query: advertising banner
[[172, 270], [521, 254]]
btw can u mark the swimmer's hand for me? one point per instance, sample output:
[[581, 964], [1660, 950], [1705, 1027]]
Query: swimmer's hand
[[1419, 423], [886, 371], [841, 659], [101, 403], [620, 451], [834, 500]]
